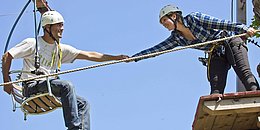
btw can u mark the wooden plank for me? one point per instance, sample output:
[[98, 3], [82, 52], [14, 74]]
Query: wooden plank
[[54, 101], [48, 102], [229, 106], [41, 104], [31, 104], [28, 109], [34, 106]]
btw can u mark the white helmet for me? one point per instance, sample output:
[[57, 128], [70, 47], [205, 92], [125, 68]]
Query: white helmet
[[51, 17], [168, 9]]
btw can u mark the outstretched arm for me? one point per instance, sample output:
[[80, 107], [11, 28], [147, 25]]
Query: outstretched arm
[[167, 44], [211, 22], [6, 64], [99, 57]]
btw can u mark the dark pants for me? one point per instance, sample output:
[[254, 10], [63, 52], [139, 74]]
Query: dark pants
[[221, 63]]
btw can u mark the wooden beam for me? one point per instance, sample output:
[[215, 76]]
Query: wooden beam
[[230, 106]]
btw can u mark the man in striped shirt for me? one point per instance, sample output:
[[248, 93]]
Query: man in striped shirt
[[197, 28]]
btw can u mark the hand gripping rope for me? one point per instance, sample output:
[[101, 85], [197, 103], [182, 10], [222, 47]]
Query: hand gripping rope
[[128, 59]]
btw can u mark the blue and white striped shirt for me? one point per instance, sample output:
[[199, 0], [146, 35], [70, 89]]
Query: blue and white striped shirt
[[203, 27]]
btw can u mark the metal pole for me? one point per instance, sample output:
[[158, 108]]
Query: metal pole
[[241, 18]]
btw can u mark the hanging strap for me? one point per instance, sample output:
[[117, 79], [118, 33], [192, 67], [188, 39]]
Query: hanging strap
[[42, 6], [60, 57], [209, 59], [58, 53]]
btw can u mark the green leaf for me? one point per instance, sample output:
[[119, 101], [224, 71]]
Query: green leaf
[[256, 25]]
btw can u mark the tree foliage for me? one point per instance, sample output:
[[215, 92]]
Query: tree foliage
[[256, 20]]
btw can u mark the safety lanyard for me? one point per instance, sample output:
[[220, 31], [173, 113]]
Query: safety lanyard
[[60, 56], [53, 59]]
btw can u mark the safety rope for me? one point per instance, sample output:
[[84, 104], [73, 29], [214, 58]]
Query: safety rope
[[128, 59]]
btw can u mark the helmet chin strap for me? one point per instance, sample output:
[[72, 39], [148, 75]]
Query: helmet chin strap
[[174, 21], [51, 35]]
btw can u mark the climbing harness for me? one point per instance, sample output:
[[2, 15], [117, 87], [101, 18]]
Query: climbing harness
[[220, 49], [209, 59]]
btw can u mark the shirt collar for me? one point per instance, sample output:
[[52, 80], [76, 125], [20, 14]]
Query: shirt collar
[[185, 23]]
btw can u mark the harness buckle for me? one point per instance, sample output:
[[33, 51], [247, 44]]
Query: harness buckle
[[204, 60]]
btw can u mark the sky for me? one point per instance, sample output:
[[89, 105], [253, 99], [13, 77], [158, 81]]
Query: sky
[[159, 93]]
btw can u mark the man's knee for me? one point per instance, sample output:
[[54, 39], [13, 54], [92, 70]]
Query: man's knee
[[83, 103], [67, 86]]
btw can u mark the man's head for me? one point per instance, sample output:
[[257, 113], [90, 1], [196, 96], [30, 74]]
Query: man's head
[[169, 16], [52, 23]]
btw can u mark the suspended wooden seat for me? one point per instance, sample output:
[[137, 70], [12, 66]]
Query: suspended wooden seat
[[40, 103]]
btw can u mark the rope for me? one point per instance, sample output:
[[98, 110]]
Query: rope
[[126, 60]]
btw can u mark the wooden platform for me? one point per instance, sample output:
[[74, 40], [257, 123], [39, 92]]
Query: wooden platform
[[235, 111]]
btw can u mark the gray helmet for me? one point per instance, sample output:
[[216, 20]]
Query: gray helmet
[[168, 9]]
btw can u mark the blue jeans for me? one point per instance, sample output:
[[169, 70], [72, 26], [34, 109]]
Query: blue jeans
[[75, 108]]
